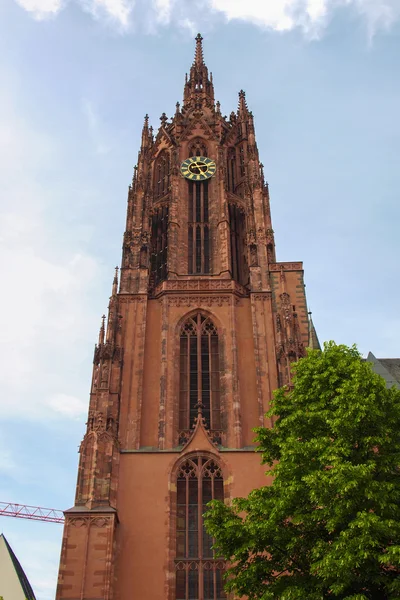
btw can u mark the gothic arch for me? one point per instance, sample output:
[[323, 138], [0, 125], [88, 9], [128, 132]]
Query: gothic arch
[[197, 147], [194, 311]]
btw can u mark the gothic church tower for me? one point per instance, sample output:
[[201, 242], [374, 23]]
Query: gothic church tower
[[202, 326]]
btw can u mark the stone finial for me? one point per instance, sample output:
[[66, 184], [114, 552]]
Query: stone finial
[[115, 282], [102, 330], [198, 57]]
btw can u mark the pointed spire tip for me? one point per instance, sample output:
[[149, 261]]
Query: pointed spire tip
[[198, 57]]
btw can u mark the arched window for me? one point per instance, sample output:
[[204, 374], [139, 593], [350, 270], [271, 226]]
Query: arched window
[[199, 373], [161, 175], [198, 571]]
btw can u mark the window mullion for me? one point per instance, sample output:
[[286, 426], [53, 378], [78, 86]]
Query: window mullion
[[202, 247], [199, 372], [187, 519], [202, 225], [187, 539], [193, 227], [210, 374], [238, 257], [188, 382], [200, 529]]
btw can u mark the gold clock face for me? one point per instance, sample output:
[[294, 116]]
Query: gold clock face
[[198, 168]]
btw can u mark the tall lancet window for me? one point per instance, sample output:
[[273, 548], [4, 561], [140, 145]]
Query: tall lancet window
[[198, 224], [231, 168], [237, 224], [199, 389], [242, 166], [161, 175], [198, 228], [198, 571], [159, 244]]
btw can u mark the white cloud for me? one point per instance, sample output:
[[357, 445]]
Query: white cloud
[[311, 16], [378, 14], [163, 10], [41, 9], [117, 11], [68, 406], [188, 25]]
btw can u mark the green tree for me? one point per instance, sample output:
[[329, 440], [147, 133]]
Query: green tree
[[329, 524]]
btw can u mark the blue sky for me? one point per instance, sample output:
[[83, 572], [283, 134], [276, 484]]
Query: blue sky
[[77, 77]]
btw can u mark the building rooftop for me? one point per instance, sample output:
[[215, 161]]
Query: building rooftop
[[14, 584], [388, 368]]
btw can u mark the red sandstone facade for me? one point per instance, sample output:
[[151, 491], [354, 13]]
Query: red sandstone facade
[[202, 329]]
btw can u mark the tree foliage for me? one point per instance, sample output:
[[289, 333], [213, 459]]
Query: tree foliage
[[329, 525]]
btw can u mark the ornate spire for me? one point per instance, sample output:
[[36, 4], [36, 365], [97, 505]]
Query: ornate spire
[[242, 108], [102, 330], [145, 133], [199, 89], [313, 341], [198, 55]]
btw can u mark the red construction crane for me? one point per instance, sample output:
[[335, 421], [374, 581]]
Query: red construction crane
[[35, 513]]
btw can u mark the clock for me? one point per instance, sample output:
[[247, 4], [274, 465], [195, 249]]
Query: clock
[[198, 168]]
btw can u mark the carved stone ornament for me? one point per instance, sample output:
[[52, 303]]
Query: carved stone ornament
[[145, 237], [296, 266], [133, 298], [270, 236], [261, 297], [183, 285], [261, 236], [78, 521], [215, 436], [251, 237], [199, 301]]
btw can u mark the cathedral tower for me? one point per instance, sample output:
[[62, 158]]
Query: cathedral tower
[[202, 326]]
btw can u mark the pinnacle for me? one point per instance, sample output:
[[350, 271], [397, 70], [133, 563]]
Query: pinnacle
[[242, 108], [115, 282], [198, 57]]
